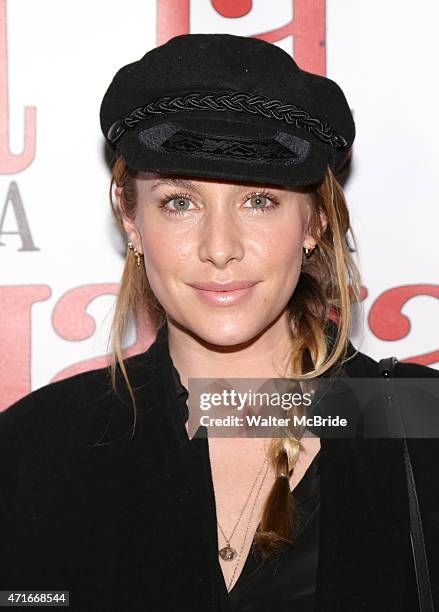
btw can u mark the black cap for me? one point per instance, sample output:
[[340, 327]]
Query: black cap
[[227, 107]]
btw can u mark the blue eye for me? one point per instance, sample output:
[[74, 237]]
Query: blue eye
[[179, 202], [260, 202]]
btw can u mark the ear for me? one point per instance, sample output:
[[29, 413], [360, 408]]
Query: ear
[[130, 227], [310, 241]]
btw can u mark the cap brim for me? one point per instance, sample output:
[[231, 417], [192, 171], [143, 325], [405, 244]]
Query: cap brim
[[225, 149]]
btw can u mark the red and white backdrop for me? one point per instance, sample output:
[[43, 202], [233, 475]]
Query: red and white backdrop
[[60, 253]]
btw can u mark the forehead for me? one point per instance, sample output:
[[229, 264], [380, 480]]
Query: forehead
[[155, 180]]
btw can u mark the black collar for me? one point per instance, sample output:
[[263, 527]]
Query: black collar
[[177, 393], [172, 378]]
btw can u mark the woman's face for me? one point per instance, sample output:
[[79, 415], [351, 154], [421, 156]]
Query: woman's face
[[197, 230]]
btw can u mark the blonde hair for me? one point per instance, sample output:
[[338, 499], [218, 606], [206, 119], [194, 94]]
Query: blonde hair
[[329, 285]]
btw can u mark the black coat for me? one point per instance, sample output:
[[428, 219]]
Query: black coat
[[131, 524]]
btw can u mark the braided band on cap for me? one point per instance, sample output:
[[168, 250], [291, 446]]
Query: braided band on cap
[[229, 101]]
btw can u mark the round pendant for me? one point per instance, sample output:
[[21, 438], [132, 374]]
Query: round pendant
[[227, 553]]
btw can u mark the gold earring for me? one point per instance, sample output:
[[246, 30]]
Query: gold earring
[[308, 252], [136, 253]]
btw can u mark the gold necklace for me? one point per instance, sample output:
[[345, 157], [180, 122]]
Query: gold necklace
[[246, 531], [228, 553]]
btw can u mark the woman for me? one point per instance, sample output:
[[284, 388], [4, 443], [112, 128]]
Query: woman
[[226, 154]]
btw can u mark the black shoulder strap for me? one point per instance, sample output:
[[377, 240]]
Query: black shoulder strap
[[386, 368]]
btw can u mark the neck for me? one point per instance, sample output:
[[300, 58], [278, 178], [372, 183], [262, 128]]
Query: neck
[[264, 356]]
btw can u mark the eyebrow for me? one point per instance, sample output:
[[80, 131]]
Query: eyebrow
[[174, 182], [187, 184]]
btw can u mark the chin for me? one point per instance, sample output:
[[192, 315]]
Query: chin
[[227, 331]]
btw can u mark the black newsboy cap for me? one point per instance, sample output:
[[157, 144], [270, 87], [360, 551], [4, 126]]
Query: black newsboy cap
[[227, 107]]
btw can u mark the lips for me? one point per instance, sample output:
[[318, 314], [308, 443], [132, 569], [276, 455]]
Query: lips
[[227, 296], [229, 286]]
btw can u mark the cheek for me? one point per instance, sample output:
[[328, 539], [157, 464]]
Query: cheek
[[281, 251], [165, 252]]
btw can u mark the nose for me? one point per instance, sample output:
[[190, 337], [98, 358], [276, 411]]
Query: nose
[[221, 236]]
